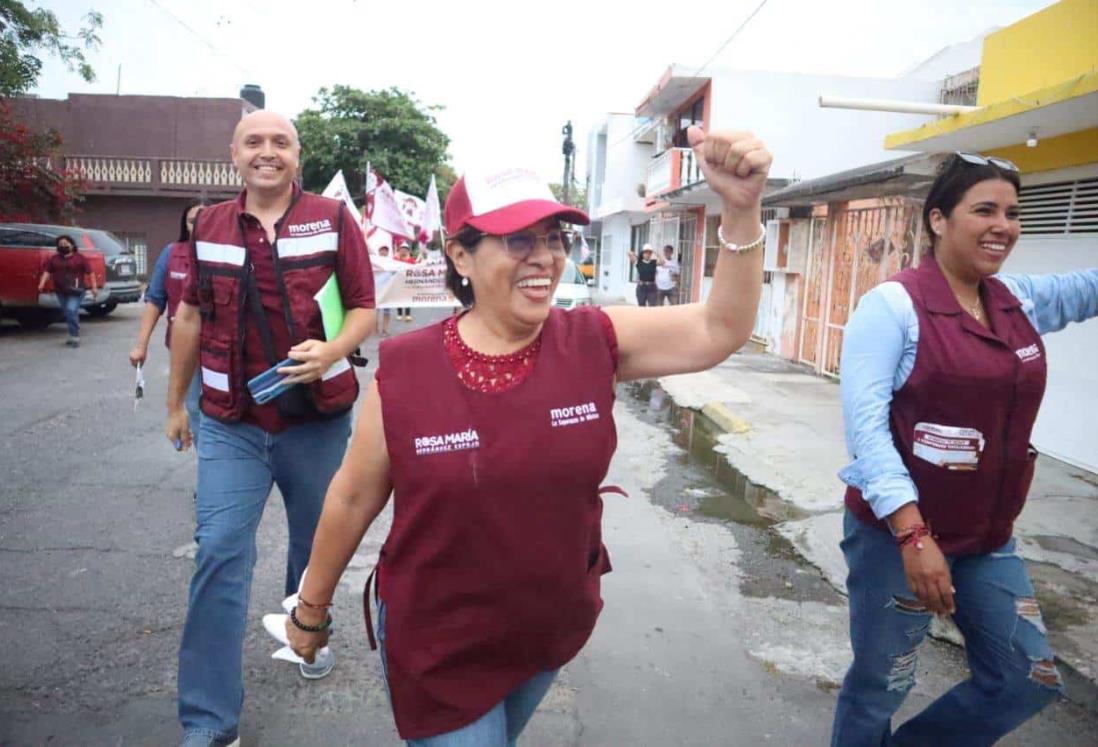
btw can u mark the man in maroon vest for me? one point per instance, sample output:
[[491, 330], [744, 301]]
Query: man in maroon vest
[[260, 261]]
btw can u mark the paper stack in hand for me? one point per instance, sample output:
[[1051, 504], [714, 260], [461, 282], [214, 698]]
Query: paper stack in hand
[[275, 624]]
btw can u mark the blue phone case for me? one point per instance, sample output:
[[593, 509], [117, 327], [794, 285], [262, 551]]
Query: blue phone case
[[270, 383]]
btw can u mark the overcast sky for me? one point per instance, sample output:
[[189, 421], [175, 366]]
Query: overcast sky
[[508, 73]]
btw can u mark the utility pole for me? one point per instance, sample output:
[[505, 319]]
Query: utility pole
[[569, 150]]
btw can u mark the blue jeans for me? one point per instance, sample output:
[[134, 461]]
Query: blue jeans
[[192, 402], [70, 306], [501, 726], [1013, 675], [237, 464]]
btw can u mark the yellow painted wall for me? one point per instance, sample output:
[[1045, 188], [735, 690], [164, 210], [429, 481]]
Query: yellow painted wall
[[1073, 149], [1049, 47]]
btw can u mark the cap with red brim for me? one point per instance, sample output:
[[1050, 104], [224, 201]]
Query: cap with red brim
[[503, 202]]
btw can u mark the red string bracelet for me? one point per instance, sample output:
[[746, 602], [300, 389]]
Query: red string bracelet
[[913, 535], [304, 603]]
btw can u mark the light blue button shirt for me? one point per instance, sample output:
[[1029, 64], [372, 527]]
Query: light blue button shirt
[[157, 292], [879, 346]]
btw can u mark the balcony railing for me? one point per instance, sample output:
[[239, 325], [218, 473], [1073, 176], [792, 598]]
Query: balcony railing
[[184, 173], [156, 175], [673, 169], [961, 88], [112, 170]]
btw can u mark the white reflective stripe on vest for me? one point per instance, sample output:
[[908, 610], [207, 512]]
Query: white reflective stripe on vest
[[228, 254], [337, 368], [301, 246], [215, 379]]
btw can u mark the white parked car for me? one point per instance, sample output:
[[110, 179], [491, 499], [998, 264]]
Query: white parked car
[[572, 290]]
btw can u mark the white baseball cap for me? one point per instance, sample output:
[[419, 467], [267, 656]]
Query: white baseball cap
[[503, 201]]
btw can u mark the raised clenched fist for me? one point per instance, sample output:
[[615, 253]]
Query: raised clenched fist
[[735, 165]]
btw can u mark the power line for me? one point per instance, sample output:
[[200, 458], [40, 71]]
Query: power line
[[201, 38], [730, 38], [697, 73]]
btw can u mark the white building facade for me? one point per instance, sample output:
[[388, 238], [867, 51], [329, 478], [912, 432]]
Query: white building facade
[[674, 207]]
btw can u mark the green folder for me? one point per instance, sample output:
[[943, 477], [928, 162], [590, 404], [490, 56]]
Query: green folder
[[330, 301]]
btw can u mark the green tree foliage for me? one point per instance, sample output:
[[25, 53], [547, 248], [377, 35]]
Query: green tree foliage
[[26, 34], [577, 196], [390, 129]]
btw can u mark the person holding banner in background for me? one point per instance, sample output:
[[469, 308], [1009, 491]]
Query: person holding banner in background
[[384, 316], [262, 266], [404, 254], [493, 431]]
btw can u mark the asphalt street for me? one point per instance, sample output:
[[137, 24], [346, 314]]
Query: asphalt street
[[707, 612]]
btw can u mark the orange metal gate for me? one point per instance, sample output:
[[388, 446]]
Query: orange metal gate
[[850, 252]]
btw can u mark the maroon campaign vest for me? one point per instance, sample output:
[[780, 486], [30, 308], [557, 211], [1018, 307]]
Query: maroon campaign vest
[[491, 571], [967, 376], [304, 253], [179, 266]]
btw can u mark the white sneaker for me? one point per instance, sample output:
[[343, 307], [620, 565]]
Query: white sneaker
[[321, 666]]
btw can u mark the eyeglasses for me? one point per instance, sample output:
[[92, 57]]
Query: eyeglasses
[[520, 245], [978, 160]]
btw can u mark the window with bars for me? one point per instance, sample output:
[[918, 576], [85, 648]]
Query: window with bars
[[1061, 208]]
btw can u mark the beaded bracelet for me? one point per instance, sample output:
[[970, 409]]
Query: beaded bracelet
[[309, 628], [741, 248]]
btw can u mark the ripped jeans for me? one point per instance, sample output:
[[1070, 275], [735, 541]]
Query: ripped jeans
[[1013, 672]]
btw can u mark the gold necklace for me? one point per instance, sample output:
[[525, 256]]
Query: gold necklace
[[974, 309]]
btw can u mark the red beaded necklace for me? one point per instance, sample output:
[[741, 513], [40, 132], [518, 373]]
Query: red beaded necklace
[[487, 373]]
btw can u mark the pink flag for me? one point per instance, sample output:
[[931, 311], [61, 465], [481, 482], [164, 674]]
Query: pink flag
[[382, 209]]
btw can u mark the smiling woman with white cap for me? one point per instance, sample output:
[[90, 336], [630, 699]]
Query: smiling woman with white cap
[[493, 430]]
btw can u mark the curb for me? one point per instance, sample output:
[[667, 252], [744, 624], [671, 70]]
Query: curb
[[728, 421], [1078, 688]]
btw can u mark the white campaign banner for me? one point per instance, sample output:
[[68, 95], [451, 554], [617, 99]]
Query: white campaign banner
[[400, 284]]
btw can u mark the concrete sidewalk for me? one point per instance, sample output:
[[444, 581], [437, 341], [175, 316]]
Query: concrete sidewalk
[[782, 429]]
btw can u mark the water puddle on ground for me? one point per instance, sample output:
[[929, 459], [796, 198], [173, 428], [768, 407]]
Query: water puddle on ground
[[706, 487], [1055, 543]]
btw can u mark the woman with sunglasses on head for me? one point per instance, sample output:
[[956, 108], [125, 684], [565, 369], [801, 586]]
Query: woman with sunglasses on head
[[943, 371], [164, 293], [493, 430]]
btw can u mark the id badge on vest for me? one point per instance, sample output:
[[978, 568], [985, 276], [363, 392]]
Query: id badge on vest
[[949, 447]]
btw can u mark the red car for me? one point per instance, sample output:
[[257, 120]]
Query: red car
[[24, 248]]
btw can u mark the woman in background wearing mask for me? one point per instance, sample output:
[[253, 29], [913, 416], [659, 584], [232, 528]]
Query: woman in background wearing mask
[[70, 273]]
